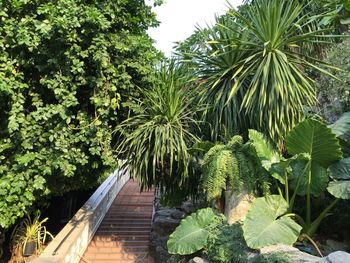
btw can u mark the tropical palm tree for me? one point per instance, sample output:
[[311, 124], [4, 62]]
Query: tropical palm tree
[[157, 138], [254, 68]]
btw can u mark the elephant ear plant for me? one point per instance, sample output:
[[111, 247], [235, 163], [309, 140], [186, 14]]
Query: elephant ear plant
[[193, 232], [316, 158]]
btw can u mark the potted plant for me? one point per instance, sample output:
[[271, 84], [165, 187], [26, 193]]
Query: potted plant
[[31, 234]]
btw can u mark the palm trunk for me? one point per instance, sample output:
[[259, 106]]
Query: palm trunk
[[237, 204]]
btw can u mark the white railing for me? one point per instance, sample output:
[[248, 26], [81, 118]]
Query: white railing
[[70, 244]]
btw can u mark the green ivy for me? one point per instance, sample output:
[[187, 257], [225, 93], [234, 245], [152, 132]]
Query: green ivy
[[66, 69]]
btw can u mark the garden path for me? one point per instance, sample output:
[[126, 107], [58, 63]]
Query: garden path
[[124, 233]]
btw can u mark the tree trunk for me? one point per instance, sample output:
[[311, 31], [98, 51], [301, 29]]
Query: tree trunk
[[237, 205]]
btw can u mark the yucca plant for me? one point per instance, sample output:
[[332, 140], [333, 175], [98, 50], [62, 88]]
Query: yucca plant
[[31, 234], [254, 67], [157, 138]]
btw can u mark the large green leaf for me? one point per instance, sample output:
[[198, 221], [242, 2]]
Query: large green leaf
[[316, 139], [340, 171], [192, 233], [264, 149], [319, 178], [340, 189], [265, 224], [282, 169], [341, 127]]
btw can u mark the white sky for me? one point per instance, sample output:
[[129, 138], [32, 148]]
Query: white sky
[[179, 18]]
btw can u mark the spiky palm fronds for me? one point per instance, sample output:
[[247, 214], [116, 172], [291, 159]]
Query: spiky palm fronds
[[254, 67], [157, 138]]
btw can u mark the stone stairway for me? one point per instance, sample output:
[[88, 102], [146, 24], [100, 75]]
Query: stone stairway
[[123, 235]]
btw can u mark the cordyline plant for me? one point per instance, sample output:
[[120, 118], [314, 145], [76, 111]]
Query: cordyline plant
[[157, 138], [254, 66]]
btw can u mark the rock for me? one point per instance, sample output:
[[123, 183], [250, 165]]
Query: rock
[[187, 207], [177, 214], [336, 257], [237, 205], [251, 256], [161, 255], [163, 212], [199, 260], [165, 221], [335, 245], [294, 254]]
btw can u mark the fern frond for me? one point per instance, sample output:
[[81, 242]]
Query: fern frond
[[233, 165]]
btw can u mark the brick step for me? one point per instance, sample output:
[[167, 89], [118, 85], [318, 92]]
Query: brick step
[[139, 209], [136, 194], [119, 249], [114, 261], [117, 229], [121, 237], [122, 232], [125, 223], [135, 201], [117, 220], [114, 224], [128, 215], [116, 256], [129, 204], [126, 243]]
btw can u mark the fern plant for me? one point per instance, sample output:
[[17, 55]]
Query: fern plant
[[229, 166]]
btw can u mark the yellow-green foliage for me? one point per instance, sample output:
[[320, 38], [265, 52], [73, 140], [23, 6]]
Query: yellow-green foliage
[[228, 166]]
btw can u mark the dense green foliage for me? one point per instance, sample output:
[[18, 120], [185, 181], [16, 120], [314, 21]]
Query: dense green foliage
[[334, 94], [315, 148], [226, 244], [252, 67], [231, 166], [193, 232], [159, 135], [276, 257], [66, 67]]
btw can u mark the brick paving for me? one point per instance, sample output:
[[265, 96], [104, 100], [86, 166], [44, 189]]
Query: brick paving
[[123, 235]]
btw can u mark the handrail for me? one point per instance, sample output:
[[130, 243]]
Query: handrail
[[74, 238]]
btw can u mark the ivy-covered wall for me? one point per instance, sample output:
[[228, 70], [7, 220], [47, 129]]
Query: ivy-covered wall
[[67, 68]]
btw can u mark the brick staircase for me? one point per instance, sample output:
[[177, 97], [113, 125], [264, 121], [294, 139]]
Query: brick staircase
[[123, 235]]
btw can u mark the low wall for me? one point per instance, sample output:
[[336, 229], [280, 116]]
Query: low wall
[[69, 244]]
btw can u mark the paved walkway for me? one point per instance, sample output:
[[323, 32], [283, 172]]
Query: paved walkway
[[123, 235]]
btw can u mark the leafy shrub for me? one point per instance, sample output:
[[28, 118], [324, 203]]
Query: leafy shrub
[[226, 244], [334, 95], [277, 257], [65, 68]]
